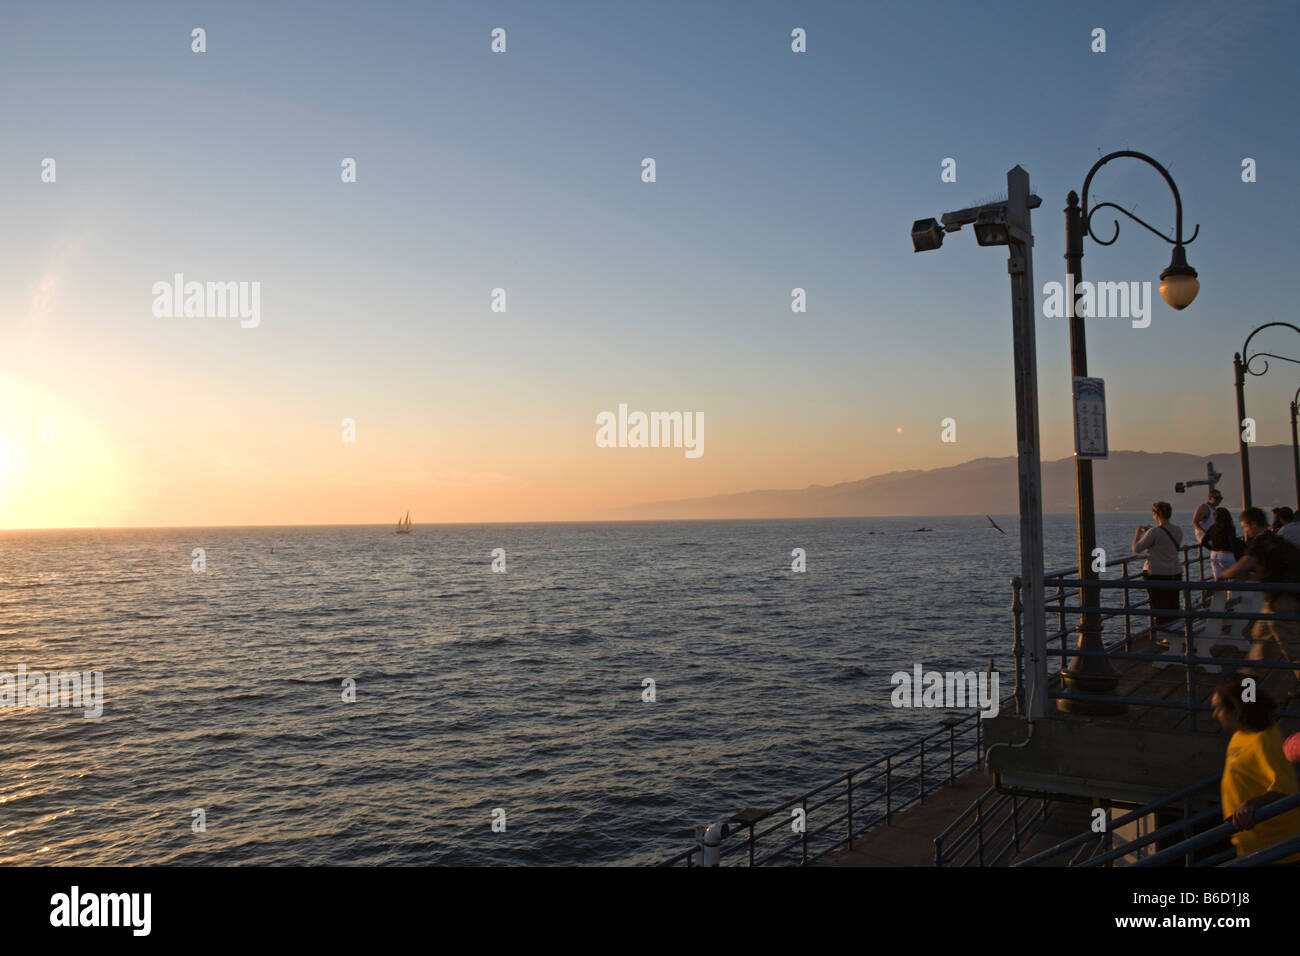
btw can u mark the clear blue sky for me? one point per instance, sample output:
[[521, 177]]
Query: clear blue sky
[[522, 170]]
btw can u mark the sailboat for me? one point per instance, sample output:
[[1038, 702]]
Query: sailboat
[[404, 524]]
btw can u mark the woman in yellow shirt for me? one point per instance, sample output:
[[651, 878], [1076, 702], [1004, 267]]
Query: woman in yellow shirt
[[1255, 770]]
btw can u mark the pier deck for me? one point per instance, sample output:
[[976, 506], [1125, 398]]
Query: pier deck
[[1130, 757], [909, 838], [1127, 758]]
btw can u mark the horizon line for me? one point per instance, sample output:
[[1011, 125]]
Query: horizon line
[[452, 524]]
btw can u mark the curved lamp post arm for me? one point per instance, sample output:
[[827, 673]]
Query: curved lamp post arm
[[1247, 358], [1178, 239]]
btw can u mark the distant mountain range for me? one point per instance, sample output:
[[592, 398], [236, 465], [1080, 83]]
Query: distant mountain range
[[1127, 481]]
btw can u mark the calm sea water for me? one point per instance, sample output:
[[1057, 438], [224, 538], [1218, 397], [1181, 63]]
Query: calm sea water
[[474, 690]]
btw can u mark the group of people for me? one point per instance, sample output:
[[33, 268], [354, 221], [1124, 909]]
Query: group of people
[[1266, 553], [1259, 767]]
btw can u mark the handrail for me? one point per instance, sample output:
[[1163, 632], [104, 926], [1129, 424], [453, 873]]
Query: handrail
[[1201, 609], [1138, 843], [1147, 808], [1270, 854], [974, 829], [1225, 829], [911, 787], [1124, 560]]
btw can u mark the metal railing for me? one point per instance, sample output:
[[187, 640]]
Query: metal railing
[[1196, 843], [1196, 610], [1184, 851], [1093, 849], [996, 811], [842, 810]]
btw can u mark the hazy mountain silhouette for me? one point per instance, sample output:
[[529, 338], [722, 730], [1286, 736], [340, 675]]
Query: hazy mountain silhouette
[[1127, 481]]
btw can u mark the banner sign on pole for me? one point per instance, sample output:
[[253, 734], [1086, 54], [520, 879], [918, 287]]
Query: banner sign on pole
[[1090, 418]]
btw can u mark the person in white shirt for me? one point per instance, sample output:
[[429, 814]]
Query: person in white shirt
[[1203, 516], [1161, 543]]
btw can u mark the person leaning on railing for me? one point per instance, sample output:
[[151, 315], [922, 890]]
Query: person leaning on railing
[[1275, 561], [1256, 772], [1161, 543]]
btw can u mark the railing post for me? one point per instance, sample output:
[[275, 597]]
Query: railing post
[[979, 746], [1018, 647], [1128, 613], [1189, 645], [1015, 822], [888, 791], [850, 795], [1206, 596], [923, 770], [803, 837]]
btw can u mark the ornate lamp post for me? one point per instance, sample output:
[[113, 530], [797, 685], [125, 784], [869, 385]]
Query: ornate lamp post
[[1178, 287], [1241, 367], [1295, 447]]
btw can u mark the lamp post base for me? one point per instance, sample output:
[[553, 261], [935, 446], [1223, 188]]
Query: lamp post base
[[1090, 708], [1091, 675]]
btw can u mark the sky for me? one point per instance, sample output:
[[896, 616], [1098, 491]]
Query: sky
[[523, 170]]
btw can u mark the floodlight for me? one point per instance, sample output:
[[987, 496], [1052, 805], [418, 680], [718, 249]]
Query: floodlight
[[991, 228], [926, 235]]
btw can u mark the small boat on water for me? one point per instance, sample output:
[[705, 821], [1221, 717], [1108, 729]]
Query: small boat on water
[[404, 524]]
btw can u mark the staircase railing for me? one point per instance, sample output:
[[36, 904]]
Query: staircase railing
[[995, 812], [1149, 849], [1225, 830], [1091, 849]]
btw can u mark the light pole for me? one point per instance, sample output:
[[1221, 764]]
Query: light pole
[[1295, 448], [1007, 224], [1178, 287], [1241, 367]]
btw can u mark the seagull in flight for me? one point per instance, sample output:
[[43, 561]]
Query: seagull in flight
[[994, 523]]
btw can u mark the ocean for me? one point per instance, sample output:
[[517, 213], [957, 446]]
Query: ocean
[[480, 697]]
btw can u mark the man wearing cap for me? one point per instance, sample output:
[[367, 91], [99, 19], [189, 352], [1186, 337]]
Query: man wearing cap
[[1203, 517]]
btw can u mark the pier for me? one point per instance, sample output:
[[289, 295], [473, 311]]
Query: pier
[[1007, 791]]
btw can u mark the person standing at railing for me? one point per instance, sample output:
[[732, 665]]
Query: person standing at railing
[[1161, 543], [1256, 771], [1275, 561], [1220, 538], [1205, 514], [1290, 530]]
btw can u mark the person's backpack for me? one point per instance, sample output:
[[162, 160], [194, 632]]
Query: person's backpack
[[1279, 560]]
